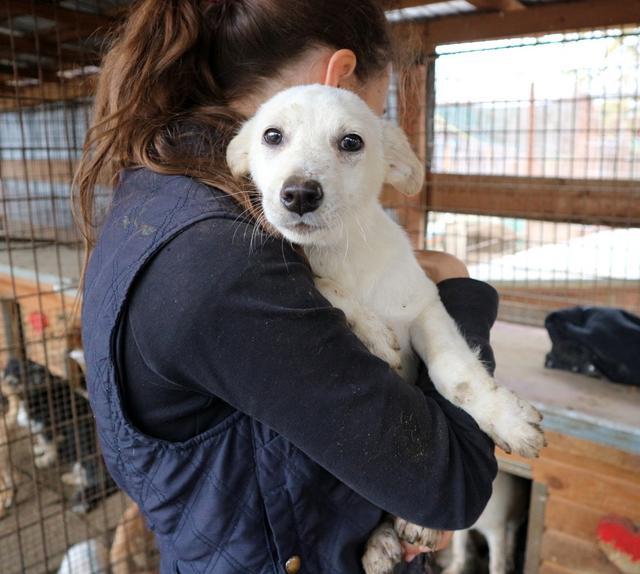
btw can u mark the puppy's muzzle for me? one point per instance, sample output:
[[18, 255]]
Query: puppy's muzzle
[[301, 195]]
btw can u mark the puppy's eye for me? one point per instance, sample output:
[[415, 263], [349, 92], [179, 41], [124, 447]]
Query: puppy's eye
[[272, 137], [351, 143]]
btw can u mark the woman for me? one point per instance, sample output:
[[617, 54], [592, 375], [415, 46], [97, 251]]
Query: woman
[[233, 403]]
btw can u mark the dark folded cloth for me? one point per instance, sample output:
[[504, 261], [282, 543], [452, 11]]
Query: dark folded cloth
[[595, 341]]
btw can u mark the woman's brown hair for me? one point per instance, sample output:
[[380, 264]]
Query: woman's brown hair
[[163, 95]]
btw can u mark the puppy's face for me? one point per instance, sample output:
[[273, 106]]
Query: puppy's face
[[318, 155]]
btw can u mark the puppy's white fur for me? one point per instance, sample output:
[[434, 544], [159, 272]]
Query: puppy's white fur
[[498, 524], [363, 260]]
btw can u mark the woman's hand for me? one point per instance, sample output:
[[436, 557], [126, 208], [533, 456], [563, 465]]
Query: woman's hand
[[440, 266], [413, 550]]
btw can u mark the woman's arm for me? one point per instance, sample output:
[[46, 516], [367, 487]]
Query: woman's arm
[[232, 314], [440, 266]]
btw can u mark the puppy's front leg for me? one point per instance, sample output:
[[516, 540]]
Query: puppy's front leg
[[460, 377], [375, 335]]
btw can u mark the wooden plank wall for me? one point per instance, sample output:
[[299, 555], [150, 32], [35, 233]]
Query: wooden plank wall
[[592, 201], [585, 482]]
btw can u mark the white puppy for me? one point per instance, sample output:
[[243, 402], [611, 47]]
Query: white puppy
[[319, 157]]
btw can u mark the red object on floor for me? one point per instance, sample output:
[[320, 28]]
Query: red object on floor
[[619, 539], [39, 321]]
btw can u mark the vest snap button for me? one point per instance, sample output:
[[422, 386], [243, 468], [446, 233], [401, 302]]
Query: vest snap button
[[293, 565]]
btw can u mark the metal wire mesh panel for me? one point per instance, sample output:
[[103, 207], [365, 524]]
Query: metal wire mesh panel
[[59, 509], [531, 146], [535, 178]]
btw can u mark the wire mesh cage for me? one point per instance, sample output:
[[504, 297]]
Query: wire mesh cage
[[59, 509], [531, 148], [534, 164]]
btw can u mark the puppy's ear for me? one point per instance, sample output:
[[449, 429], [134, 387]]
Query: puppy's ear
[[238, 151], [405, 171]]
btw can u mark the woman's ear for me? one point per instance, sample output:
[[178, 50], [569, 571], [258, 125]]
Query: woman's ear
[[238, 151], [404, 170], [340, 68]]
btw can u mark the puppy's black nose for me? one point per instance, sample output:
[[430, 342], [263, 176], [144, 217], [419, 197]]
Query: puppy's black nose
[[301, 195]]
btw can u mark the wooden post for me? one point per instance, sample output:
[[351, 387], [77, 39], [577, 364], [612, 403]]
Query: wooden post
[[532, 129], [411, 118], [535, 527], [14, 344], [430, 114]]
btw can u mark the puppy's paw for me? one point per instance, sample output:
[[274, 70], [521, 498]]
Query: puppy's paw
[[383, 551], [514, 424], [417, 535]]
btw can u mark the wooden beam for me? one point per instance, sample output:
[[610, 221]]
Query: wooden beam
[[400, 4], [611, 202], [540, 297], [46, 71], [535, 20], [10, 47], [26, 72], [498, 5], [12, 98], [55, 170], [412, 86]]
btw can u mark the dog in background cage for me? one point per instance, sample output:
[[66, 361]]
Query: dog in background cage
[[133, 550], [63, 430], [8, 425], [319, 157]]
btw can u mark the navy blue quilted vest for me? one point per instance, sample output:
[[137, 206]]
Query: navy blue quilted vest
[[238, 498]]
